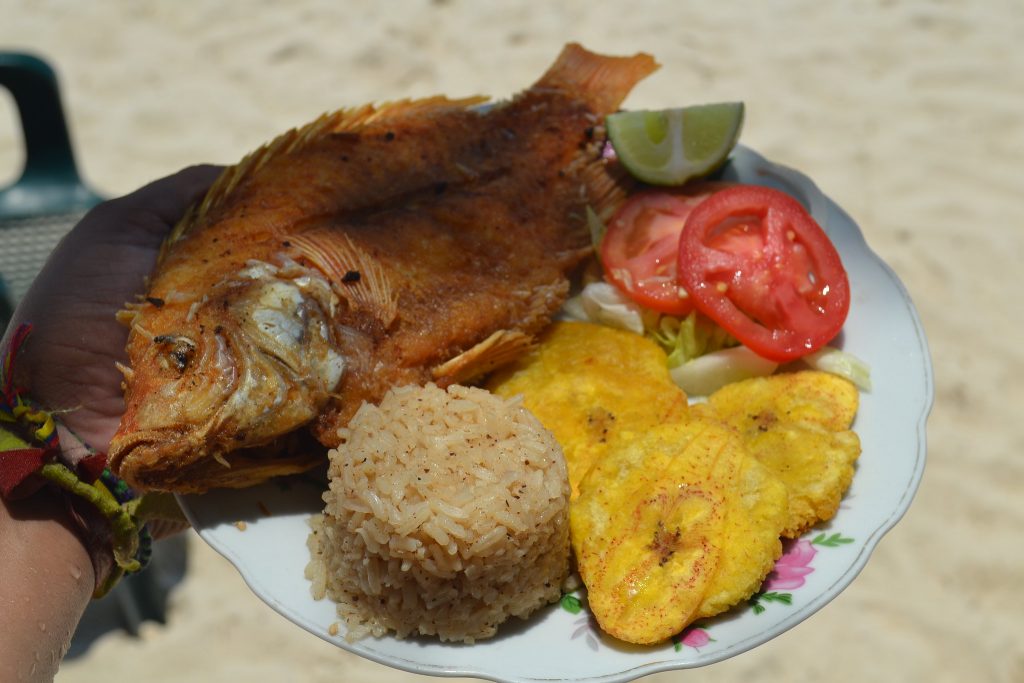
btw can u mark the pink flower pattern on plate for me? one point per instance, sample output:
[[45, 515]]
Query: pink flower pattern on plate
[[792, 567], [695, 638]]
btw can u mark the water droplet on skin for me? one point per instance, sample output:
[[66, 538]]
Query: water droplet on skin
[[76, 573], [42, 627]]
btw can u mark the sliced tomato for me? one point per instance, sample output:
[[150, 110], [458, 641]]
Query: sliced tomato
[[755, 262], [640, 249]]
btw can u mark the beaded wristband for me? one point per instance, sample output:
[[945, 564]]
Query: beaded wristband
[[31, 450]]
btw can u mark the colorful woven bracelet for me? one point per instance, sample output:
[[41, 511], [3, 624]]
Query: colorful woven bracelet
[[30, 447]]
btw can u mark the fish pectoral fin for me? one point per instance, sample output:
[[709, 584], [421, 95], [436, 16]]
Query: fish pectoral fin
[[608, 187], [501, 347], [356, 276]]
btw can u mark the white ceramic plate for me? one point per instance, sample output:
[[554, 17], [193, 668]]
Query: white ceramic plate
[[562, 643]]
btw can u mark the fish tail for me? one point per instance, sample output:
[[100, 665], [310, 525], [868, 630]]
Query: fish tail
[[601, 81]]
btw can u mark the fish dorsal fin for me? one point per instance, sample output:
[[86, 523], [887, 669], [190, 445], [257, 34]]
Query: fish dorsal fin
[[357, 277], [498, 349], [351, 120]]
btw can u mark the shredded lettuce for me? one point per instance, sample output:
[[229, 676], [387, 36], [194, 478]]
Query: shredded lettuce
[[572, 309], [702, 356], [687, 338], [602, 303], [842, 363], [710, 372]]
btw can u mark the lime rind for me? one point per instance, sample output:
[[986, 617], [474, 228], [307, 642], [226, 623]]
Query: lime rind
[[672, 146]]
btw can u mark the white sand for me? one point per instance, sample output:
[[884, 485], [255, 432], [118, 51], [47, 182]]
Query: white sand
[[909, 114]]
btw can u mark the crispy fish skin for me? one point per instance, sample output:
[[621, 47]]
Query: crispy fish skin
[[418, 241]]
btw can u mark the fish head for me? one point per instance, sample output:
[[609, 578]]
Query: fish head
[[214, 384]]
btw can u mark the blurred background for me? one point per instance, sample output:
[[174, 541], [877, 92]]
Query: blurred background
[[909, 114]]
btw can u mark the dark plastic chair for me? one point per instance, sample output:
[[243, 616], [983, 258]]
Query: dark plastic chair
[[35, 213], [49, 197]]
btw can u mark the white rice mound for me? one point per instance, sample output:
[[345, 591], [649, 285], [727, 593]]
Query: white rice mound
[[447, 513]]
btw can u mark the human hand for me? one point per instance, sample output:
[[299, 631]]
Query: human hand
[[67, 364]]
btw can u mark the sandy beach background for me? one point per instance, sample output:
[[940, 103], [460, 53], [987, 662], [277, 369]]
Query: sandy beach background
[[909, 114]]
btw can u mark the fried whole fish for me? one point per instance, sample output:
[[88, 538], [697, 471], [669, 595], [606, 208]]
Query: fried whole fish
[[418, 241]]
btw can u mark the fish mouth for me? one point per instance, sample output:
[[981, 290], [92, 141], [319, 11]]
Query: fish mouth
[[170, 461], [150, 459]]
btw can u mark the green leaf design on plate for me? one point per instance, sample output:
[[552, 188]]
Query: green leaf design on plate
[[833, 541], [772, 596], [570, 603], [784, 598]]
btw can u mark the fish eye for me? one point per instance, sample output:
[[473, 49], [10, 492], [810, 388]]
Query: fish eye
[[181, 350]]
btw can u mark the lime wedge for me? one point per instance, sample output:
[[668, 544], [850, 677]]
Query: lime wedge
[[675, 145]]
